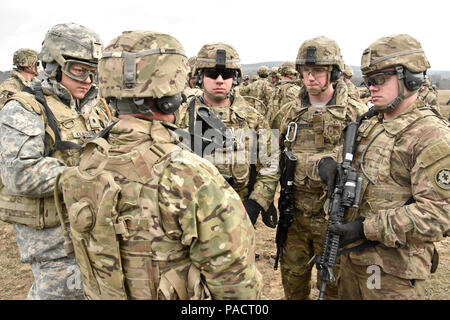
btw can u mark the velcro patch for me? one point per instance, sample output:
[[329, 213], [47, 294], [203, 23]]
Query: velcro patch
[[443, 179]]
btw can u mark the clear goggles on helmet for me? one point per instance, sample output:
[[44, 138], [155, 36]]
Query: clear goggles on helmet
[[79, 71], [377, 79], [214, 73]]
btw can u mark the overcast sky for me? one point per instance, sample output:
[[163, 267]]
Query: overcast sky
[[264, 30]]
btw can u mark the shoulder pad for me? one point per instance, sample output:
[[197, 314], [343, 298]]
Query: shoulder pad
[[29, 102]]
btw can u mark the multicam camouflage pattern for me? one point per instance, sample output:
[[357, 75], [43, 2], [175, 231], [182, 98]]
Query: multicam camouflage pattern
[[191, 64], [410, 158], [263, 72], [25, 57], [159, 61], [428, 94], [396, 50], [177, 230], [357, 283], [319, 135], [30, 175], [259, 94], [244, 120], [12, 85], [348, 71], [283, 93], [275, 72], [305, 235], [327, 52], [288, 68], [206, 57], [70, 41]]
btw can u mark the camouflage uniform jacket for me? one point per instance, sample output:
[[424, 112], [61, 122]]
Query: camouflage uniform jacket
[[12, 85], [27, 172], [246, 123], [319, 135], [284, 92], [261, 89], [409, 160], [192, 218]]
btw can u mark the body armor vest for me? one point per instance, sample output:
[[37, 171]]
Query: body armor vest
[[120, 245], [390, 187], [234, 161], [319, 132], [40, 213]]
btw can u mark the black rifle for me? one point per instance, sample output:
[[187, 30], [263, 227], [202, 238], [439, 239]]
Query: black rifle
[[346, 193], [286, 201]]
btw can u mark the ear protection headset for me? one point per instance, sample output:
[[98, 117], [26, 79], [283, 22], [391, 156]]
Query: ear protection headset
[[412, 80]]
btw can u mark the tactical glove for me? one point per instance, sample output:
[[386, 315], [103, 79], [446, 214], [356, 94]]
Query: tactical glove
[[349, 232], [270, 217], [328, 168], [253, 209]]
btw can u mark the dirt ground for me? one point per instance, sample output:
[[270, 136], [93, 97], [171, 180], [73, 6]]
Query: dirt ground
[[16, 278]]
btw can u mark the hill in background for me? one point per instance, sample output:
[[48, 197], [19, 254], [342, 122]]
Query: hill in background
[[440, 78]]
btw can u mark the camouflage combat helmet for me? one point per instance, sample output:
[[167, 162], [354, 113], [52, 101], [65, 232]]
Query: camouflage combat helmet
[[69, 41], [405, 55], [254, 77], [348, 71], [263, 71], [25, 57], [143, 64], [396, 50], [246, 77], [320, 51], [207, 57], [191, 64], [288, 68]]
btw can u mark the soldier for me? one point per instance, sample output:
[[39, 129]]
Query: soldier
[[347, 75], [243, 88], [404, 156], [174, 229], [41, 132], [254, 78], [260, 91], [428, 94], [274, 76], [218, 70], [320, 113], [286, 90], [27, 63], [191, 89]]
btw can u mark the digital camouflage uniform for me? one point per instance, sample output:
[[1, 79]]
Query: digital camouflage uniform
[[28, 168], [22, 58], [406, 206], [162, 223], [319, 134]]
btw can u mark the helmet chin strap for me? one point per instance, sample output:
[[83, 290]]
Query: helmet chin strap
[[319, 91], [401, 96]]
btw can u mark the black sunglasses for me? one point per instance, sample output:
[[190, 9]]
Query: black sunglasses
[[377, 79], [225, 73]]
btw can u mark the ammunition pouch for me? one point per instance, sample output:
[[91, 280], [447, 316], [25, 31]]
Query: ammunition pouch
[[37, 213]]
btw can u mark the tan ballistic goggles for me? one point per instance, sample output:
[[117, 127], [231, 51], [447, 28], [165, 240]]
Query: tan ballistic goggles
[[79, 71]]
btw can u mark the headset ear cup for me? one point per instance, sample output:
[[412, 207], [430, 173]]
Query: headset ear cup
[[335, 74], [413, 81]]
